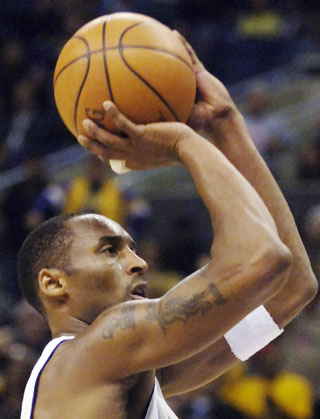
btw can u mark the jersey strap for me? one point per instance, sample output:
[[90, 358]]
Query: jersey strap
[[31, 387]]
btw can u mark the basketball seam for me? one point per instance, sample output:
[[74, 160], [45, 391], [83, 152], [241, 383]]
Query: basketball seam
[[105, 59], [82, 84], [155, 91], [96, 51]]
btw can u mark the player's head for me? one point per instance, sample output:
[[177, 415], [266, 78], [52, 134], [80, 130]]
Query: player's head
[[80, 264]]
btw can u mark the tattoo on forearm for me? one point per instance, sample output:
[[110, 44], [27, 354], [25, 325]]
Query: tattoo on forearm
[[125, 320], [182, 308]]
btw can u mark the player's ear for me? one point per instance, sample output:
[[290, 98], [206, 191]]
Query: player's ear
[[52, 282]]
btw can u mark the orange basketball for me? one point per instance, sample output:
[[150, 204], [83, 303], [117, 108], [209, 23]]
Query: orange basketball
[[131, 59]]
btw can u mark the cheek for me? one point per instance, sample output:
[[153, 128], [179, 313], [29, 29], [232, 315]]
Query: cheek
[[103, 284], [109, 279]]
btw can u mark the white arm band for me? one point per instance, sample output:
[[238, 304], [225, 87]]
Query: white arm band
[[252, 333], [119, 166]]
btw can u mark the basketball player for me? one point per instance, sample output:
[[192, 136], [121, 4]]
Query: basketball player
[[117, 354]]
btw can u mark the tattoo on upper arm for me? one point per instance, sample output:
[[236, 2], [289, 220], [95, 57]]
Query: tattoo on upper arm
[[124, 320], [219, 298], [182, 308]]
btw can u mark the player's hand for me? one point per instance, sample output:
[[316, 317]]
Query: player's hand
[[213, 102], [141, 146]]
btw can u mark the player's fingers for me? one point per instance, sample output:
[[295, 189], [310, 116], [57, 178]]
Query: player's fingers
[[102, 151], [110, 140], [94, 131], [122, 123]]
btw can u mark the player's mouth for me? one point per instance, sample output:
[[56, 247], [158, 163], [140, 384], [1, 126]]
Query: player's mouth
[[139, 292]]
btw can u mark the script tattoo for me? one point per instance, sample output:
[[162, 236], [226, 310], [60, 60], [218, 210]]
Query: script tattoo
[[125, 320], [182, 308]]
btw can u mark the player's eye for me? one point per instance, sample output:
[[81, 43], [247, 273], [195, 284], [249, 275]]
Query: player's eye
[[133, 247], [109, 248]]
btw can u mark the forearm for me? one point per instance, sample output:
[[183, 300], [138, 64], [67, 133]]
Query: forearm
[[232, 138], [198, 370], [230, 199]]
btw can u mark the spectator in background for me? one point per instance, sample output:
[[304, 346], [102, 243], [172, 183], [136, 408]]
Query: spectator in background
[[260, 21], [138, 215], [31, 329], [96, 190], [25, 205], [6, 303], [13, 67], [34, 127], [19, 361], [260, 34], [21, 343], [3, 132], [22, 118], [308, 166], [270, 390], [206, 405], [304, 336], [266, 129]]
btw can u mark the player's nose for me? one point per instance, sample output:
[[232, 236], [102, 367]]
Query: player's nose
[[136, 264]]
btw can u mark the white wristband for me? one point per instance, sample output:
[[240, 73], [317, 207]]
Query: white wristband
[[252, 333], [119, 166]]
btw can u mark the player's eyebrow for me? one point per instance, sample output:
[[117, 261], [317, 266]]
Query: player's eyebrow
[[115, 241]]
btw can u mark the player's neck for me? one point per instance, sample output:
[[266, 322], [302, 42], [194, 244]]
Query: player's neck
[[66, 326]]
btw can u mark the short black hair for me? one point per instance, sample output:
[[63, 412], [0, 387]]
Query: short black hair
[[45, 247]]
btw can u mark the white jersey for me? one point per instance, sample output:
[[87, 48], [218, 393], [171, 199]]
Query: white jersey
[[157, 409]]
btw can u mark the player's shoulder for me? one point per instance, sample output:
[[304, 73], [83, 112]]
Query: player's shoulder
[[114, 342], [105, 330]]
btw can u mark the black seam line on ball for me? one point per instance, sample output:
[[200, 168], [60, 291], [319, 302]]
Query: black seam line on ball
[[96, 51], [82, 84], [105, 60], [159, 96]]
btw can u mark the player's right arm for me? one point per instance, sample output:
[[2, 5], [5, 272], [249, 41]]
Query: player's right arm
[[249, 263]]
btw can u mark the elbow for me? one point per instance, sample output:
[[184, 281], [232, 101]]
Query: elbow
[[295, 300], [282, 259], [310, 290], [274, 267]]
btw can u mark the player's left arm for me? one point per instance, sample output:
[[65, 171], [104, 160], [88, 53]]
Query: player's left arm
[[216, 115], [231, 136], [301, 287]]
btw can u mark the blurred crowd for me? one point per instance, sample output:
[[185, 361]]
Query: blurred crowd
[[236, 41]]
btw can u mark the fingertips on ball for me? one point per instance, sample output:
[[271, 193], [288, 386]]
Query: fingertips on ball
[[82, 140], [108, 105], [88, 125]]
